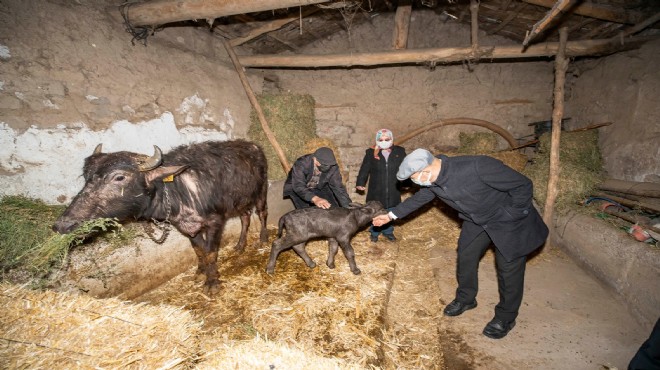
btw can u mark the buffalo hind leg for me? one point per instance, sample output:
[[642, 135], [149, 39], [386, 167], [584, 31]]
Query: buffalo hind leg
[[262, 212], [333, 248], [245, 225], [300, 249]]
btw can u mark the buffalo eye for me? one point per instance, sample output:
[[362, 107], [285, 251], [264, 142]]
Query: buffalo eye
[[119, 178]]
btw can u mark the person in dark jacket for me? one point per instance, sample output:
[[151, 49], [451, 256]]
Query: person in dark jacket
[[379, 166], [495, 203], [315, 180]]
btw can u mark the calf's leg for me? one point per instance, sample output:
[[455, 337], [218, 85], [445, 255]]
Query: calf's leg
[[333, 248], [349, 253], [300, 249]]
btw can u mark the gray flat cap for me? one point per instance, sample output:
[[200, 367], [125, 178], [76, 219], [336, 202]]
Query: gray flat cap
[[325, 156], [414, 162]]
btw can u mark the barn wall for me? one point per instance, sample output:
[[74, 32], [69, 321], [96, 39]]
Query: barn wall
[[353, 103], [70, 79], [622, 89]]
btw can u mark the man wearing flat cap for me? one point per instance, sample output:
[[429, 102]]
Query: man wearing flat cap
[[495, 203], [315, 180]]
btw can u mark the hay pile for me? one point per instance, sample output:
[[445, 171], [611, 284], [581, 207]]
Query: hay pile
[[323, 312], [291, 119], [48, 330], [477, 142], [580, 168]]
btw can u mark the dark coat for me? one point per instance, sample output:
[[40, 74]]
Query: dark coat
[[383, 185], [489, 196], [300, 174]]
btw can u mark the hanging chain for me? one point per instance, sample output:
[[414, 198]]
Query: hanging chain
[[164, 226]]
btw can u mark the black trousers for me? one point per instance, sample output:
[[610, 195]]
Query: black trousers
[[510, 277], [325, 193]]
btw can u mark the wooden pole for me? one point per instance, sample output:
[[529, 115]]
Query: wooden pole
[[271, 26], [474, 23], [166, 11], [561, 65], [257, 107], [402, 25], [440, 55], [545, 21], [593, 10]]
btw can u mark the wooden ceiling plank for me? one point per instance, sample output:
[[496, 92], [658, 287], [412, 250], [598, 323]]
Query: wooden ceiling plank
[[440, 55], [166, 11], [512, 15], [271, 26], [601, 12]]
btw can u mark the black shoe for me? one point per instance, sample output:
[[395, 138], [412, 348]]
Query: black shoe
[[497, 328], [374, 238], [456, 308], [390, 237]]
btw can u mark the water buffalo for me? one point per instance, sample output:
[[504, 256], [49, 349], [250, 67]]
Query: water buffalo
[[196, 188], [337, 224]]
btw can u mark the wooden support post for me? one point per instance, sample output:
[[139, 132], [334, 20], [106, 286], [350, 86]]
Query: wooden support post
[[257, 107], [474, 23], [402, 25], [561, 65]]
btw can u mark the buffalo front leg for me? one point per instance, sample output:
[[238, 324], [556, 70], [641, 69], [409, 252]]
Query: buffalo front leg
[[198, 246], [333, 248], [349, 253]]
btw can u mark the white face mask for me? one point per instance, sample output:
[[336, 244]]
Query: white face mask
[[421, 182], [384, 144]]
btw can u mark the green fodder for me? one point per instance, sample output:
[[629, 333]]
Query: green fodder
[[27, 240], [580, 168], [291, 119]]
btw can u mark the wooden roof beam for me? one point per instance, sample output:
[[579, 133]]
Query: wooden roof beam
[[602, 12], [271, 26], [166, 11], [440, 55]]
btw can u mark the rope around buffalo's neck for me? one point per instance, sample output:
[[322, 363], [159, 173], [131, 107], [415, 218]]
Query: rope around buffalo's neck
[[164, 226]]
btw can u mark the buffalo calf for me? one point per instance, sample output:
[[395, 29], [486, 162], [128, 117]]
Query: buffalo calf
[[339, 225]]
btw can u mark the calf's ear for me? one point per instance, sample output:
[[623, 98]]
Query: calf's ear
[[163, 173], [354, 205]]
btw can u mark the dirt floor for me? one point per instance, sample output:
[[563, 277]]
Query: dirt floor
[[568, 320]]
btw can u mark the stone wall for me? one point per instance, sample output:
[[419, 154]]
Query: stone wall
[[622, 89], [71, 78]]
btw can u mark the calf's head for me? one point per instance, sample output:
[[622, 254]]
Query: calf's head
[[117, 185], [365, 213]]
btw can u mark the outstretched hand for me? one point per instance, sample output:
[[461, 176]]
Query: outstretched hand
[[380, 220]]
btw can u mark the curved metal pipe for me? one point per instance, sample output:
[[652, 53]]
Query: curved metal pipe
[[461, 121]]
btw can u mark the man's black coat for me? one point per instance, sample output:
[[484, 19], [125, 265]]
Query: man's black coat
[[489, 196], [300, 174]]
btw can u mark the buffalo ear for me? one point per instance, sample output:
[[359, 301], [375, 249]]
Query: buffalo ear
[[161, 173]]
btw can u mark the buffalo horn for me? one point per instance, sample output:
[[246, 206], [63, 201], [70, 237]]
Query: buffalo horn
[[98, 149], [153, 161]]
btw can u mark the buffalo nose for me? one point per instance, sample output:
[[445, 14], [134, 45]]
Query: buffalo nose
[[63, 227]]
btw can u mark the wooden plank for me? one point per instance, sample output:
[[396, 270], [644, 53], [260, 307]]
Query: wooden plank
[[645, 189], [547, 20], [441, 55], [167, 11]]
